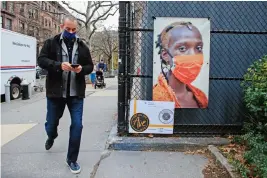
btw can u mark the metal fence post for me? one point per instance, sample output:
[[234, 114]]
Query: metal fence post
[[121, 76], [128, 59]]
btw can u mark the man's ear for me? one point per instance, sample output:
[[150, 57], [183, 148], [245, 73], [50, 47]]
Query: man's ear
[[62, 26]]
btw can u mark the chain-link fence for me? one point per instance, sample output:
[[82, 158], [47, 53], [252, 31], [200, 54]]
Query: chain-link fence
[[238, 37]]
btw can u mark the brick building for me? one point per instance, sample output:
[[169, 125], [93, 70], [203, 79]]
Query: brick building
[[40, 19]]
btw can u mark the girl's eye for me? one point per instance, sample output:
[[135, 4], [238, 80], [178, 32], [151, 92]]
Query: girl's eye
[[199, 48], [182, 48]]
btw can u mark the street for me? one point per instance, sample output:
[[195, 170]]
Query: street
[[23, 138]]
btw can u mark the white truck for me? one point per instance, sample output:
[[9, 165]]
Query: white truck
[[18, 61]]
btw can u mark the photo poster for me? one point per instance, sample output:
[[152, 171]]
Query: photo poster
[[155, 117], [181, 60]]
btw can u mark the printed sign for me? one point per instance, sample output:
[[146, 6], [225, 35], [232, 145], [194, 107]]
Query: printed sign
[[151, 117]]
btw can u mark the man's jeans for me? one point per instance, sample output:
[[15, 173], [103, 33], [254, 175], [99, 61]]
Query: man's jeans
[[55, 110]]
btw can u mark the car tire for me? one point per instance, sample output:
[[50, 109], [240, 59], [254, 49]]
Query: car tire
[[15, 91]]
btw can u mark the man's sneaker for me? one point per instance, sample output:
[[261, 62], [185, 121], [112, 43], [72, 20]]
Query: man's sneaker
[[75, 168], [49, 143]]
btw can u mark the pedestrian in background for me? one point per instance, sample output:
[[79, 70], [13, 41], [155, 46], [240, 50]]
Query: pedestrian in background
[[65, 85], [101, 65], [93, 75]]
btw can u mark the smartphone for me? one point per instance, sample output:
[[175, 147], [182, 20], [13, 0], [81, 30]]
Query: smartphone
[[74, 65]]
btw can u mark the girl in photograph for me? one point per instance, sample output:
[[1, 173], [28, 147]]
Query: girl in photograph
[[181, 54]]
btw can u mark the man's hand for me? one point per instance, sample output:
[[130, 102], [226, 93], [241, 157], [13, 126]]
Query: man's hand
[[66, 66], [77, 69]]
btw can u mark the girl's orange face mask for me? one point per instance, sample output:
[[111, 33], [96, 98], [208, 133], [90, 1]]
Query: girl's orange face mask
[[186, 68]]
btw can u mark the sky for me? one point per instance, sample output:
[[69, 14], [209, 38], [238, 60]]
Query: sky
[[111, 21]]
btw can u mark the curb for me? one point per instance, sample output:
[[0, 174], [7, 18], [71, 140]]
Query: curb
[[160, 143], [223, 161]]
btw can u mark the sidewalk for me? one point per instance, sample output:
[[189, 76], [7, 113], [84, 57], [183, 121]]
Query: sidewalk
[[130, 164], [23, 153], [24, 156]]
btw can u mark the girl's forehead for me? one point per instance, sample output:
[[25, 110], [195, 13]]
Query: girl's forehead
[[182, 32]]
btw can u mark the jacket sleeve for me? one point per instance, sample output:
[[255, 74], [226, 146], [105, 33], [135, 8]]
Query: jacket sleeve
[[88, 66], [44, 62]]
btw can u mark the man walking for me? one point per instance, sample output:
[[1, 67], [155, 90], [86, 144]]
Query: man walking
[[65, 85]]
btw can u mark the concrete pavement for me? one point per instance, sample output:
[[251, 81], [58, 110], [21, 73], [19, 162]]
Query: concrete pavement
[[24, 156], [23, 137], [136, 164]]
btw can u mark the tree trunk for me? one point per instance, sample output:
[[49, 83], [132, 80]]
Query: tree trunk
[[109, 63], [87, 26], [88, 32]]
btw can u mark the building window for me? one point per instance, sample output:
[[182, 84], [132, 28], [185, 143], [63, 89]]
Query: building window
[[55, 14], [43, 6], [4, 5], [49, 24], [30, 13], [61, 17], [58, 29], [49, 8], [42, 21], [37, 32], [31, 31], [22, 9], [35, 14], [46, 35], [55, 26], [21, 26], [45, 22], [8, 24], [11, 7]]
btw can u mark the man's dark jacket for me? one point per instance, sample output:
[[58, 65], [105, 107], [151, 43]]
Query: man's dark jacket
[[50, 59]]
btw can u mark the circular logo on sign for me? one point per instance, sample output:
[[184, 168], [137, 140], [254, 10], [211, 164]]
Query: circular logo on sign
[[139, 122], [166, 116]]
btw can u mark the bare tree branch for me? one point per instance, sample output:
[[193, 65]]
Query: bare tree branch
[[93, 31], [75, 10], [111, 4], [104, 18], [80, 20], [88, 9], [92, 16], [105, 42], [93, 5], [93, 12]]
